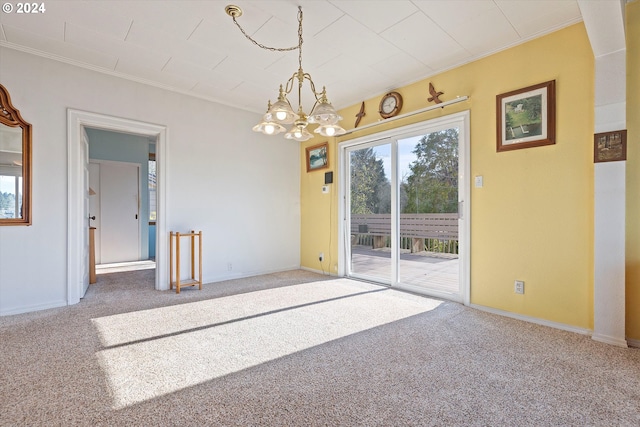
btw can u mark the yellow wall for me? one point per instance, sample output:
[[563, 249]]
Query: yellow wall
[[319, 212], [633, 171], [533, 220]]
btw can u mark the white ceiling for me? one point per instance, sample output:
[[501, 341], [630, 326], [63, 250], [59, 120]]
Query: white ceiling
[[357, 49]]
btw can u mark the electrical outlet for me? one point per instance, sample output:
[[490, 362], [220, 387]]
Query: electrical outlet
[[321, 256], [229, 266], [519, 287]]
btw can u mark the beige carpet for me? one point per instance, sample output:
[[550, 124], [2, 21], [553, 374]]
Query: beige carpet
[[300, 349]]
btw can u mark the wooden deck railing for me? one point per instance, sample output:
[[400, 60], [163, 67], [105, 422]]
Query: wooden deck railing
[[418, 232]]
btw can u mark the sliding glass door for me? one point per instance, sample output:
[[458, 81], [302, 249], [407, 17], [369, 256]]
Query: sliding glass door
[[402, 198], [428, 239], [370, 208]]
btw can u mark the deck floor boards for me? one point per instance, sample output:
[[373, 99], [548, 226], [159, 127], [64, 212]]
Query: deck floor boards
[[428, 270]]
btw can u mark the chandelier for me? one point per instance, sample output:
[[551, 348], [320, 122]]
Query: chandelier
[[281, 112]]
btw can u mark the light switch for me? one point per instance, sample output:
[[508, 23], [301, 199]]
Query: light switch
[[478, 181]]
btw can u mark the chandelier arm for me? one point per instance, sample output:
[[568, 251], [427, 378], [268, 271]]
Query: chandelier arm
[[313, 86], [288, 87]]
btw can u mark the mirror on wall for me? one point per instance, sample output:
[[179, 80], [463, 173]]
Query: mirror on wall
[[15, 164]]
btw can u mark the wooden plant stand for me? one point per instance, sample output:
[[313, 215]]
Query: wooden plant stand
[[174, 240]]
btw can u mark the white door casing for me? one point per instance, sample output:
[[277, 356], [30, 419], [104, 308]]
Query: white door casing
[[85, 203], [76, 188]]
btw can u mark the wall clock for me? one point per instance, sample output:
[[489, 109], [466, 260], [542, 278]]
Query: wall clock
[[390, 105]]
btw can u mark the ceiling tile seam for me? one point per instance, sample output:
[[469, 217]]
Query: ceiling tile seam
[[88, 49], [219, 62], [195, 29], [330, 24], [508, 20], [237, 86], [396, 23], [337, 55], [128, 31], [328, 27], [358, 21], [444, 30], [409, 53], [166, 63]]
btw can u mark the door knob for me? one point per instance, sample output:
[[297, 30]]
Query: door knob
[[92, 217]]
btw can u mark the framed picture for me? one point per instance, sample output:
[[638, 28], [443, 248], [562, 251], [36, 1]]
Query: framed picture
[[317, 157], [527, 117], [610, 146]]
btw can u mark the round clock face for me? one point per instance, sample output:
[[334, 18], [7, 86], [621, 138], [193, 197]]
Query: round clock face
[[390, 105]]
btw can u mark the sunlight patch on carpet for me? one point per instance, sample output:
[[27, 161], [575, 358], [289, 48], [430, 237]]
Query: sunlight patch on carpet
[[155, 352]]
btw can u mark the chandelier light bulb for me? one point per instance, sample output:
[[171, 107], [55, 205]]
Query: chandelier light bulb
[[281, 115], [269, 129], [330, 130]]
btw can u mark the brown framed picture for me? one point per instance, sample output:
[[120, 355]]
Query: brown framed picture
[[317, 157], [527, 117], [610, 146]]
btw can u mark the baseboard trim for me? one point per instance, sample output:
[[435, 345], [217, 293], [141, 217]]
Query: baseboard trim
[[313, 270], [607, 339], [244, 275], [32, 308], [633, 343], [543, 322]]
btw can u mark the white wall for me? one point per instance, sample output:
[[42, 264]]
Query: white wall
[[240, 188]]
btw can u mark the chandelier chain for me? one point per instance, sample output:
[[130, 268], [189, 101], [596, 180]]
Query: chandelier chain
[[277, 49]]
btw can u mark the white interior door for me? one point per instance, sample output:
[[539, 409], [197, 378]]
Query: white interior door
[[119, 212], [94, 206]]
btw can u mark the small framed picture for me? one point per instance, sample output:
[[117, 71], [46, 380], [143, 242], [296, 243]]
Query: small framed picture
[[317, 157], [610, 146], [527, 117]]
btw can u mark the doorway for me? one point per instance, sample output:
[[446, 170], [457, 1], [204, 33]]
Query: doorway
[[78, 188], [405, 208], [122, 209]]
